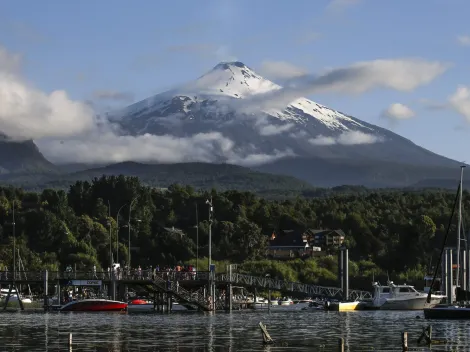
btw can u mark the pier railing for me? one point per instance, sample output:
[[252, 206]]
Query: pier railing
[[273, 284], [175, 276], [103, 275]]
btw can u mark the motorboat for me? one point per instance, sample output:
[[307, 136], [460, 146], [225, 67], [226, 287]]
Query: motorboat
[[140, 305], [401, 297], [343, 306], [13, 296], [445, 311], [285, 301], [313, 305], [94, 305]]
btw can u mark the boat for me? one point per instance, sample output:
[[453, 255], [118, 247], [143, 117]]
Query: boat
[[13, 296], [455, 308], [401, 297], [140, 305], [313, 305], [94, 305], [285, 302], [344, 306]]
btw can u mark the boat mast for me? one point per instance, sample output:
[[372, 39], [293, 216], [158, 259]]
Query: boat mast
[[459, 224]]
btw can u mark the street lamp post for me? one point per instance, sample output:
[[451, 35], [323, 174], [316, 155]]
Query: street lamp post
[[117, 233], [211, 209], [14, 241], [129, 239], [197, 239]]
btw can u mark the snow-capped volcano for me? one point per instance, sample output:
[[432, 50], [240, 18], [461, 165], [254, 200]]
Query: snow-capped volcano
[[211, 93], [214, 103]]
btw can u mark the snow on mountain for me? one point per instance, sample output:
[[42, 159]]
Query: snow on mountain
[[231, 80], [303, 128]]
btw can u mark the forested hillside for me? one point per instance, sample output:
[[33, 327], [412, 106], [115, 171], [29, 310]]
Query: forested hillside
[[394, 232]]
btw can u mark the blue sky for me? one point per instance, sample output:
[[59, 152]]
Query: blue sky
[[141, 48]]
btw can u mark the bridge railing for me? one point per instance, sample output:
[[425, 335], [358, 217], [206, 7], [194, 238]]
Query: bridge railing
[[280, 285], [104, 275]]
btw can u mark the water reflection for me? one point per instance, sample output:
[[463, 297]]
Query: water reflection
[[237, 331]]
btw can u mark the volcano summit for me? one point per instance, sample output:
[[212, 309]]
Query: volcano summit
[[302, 139]]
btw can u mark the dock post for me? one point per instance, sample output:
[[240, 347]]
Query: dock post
[[269, 300], [463, 260], [341, 269], [46, 292], [404, 341], [254, 300], [346, 274], [230, 296], [168, 302], [341, 344], [450, 281], [70, 342]]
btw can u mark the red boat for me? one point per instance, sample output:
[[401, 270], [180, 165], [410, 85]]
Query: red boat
[[94, 305]]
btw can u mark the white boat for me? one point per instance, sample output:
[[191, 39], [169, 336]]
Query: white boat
[[13, 296], [401, 297], [285, 302]]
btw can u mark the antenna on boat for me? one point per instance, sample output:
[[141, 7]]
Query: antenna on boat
[[459, 225], [428, 299]]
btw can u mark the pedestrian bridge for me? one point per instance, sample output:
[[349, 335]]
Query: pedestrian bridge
[[187, 281]]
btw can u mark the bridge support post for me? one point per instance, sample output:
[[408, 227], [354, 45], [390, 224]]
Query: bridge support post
[[46, 287], [230, 296], [269, 299], [254, 299], [168, 302]]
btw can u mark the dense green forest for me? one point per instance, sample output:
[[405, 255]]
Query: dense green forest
[[392, 232]]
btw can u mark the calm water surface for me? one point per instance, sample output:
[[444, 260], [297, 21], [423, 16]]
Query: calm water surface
[[238, 331]]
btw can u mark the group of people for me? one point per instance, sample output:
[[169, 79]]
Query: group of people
[[178, 272]]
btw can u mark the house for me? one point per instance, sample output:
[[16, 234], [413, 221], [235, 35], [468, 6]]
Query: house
[[325, 238], [289, 244]]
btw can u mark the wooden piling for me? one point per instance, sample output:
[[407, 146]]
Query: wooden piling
[[70, 342], [404, 341], [426, 335], [267, 340], [341, 344], [46, 292]]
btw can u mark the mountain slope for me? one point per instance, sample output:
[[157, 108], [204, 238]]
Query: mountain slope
[[233, 100], [22, 157], [198, 175]]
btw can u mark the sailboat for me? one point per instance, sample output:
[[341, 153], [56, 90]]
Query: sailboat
[[458, 308]]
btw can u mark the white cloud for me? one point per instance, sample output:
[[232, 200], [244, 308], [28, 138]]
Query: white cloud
[[464, 40], [26, 112], [322, 140], [107, 146], [346, 138], [281, 70], [69, 131], [271, 130], [460, 101], [398, 111], [397, 74]]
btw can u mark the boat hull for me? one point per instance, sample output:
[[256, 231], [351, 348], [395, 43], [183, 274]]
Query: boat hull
[[343, 306], [147, 307], [94, 305], [417, 303], [447, 312]]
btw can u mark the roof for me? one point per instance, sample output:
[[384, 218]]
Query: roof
[[313, 232], [174, 230]]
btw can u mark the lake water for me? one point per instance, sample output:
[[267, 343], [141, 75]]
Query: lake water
[[295, 330]]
